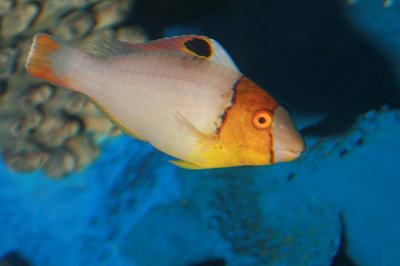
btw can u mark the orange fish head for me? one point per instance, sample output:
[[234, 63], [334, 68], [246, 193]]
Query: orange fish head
[[257, 130]]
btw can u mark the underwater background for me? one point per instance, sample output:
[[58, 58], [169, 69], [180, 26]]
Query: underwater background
[[75, 190]]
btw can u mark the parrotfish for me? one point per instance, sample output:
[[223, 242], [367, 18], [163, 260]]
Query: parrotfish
[[184, 95]]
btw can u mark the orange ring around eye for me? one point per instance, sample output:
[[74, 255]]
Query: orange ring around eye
[[262, 119]]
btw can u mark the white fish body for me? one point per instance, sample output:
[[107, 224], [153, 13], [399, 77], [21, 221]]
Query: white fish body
[[160, 88]]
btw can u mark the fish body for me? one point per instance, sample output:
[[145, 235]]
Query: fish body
[[184, 95]]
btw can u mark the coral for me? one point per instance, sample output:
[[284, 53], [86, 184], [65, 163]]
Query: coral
[[44, 127], [226, 215], [87, 215], [149, 241], [18, 19], [260, 231], [263, 233], [132, 207], [356, 172]]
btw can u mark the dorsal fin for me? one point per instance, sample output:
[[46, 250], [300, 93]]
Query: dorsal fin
[[193, 45], [108, 48]]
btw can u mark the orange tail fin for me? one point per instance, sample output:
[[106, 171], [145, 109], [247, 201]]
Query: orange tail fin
[[44, 59]]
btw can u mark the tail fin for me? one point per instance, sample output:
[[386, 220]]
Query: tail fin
[[46, 59]]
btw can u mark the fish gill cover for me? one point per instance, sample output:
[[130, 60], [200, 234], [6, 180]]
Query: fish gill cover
[[130, 207]]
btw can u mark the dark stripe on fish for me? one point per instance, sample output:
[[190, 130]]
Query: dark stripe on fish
[[271, 148]]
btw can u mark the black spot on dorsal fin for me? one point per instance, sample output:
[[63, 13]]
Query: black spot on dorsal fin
[[199, 47]]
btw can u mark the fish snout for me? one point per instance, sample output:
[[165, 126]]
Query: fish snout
[[288, 143]]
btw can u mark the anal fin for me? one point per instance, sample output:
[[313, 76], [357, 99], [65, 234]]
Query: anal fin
[[187, 165]]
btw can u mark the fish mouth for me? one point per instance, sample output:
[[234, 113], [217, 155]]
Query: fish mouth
[[286, 156], [288, 143]]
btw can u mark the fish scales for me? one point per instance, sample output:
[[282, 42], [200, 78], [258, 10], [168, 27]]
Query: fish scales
[[156, 88]]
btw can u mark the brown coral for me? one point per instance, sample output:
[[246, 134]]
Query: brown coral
[[42, 126]]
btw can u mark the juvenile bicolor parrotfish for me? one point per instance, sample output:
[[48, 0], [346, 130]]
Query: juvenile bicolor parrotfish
[[183, 94]]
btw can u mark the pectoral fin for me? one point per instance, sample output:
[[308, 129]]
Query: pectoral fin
[[187, 128], [204, 141]]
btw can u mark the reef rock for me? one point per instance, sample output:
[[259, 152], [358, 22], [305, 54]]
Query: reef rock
[[131, 207], [44, 127]]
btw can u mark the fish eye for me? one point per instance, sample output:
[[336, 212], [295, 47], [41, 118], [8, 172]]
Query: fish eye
[[262, 119]]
